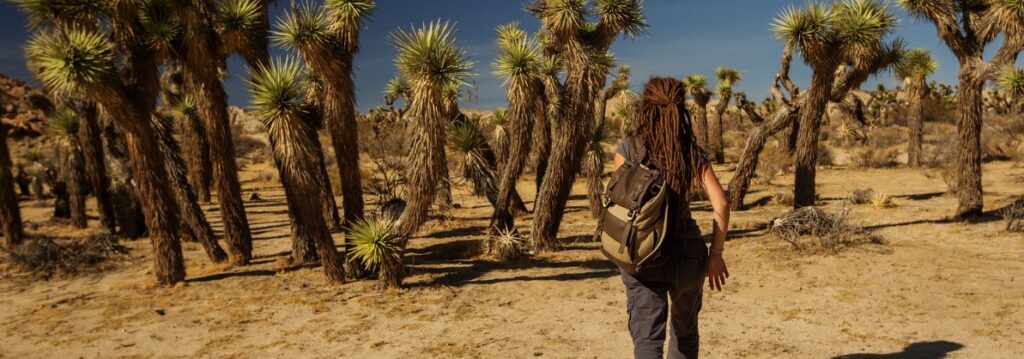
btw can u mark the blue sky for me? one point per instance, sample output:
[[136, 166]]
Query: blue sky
[[686, 36]]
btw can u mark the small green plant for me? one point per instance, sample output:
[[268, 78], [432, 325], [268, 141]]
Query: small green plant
[[508, 246], [376, 244]]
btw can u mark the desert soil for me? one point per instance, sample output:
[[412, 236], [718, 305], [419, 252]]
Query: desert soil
[[935, 288]]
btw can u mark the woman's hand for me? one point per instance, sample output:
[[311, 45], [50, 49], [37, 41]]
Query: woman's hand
[[717, 272]]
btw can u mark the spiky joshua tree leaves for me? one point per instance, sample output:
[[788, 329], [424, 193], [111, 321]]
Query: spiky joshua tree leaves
[[914, 70], [78, 61], [518, 64], [967, 28], [848, 33], [1011, 81], [327, 37], [727, 77], [581, 45], [431, 61], [278, 98], [696, 84], [376, 245]]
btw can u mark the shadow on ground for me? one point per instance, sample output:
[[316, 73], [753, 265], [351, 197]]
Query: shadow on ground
[[920, 350]]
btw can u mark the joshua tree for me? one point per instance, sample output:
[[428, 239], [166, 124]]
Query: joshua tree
[[1012, 83], [518, 64], [914, 70], [201, 59], [10, 213], [196, 148], [697, 86], [63, 126], [376, 245], [85, 62], [432, 63], [546, 110], [967, 28], [500, 137], [846, 33], [278, 96], [727, 77], [593, 166], [619, 86], [788, 108], [582, 46], [328, 39], [473, 157]]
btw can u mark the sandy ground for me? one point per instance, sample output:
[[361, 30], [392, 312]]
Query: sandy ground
[[936, 289]]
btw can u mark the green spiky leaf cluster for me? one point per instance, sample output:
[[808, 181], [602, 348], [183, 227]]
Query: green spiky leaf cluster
[[306, 25], [63, 123], [518, 56], [627, 15], [500, 118], [822, 32], [41, 12], [162, 29], [1012, 82], [70, 61], [278, 89], [695, 82], [239, 16], [915, 62], [429, 55], [466, 138], [375, 244], [396, 88]]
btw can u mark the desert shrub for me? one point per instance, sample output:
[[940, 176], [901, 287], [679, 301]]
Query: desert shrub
[[886, 136], [1013, 214], [1000, 143], [882, 200], [376, 245], [832, 231], [872, 157], [861, 196], [826, 156], [507, 246], [383, 137], [775, 161], [46, 258], [782, 199]]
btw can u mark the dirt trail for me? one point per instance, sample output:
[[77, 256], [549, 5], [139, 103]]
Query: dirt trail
[[936, 288]]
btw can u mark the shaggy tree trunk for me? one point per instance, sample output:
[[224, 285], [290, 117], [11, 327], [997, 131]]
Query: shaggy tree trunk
[[701, 121], [340, 117], [195, 227], [95, 164], [10, 213], [201, 60], [73, 174], [196, 151], [916, 92], [520, 127], [967, 168], [811, 112], [130, 220], [295, 153], [747, 166], [717, 145], [329, 206], [426, 161]]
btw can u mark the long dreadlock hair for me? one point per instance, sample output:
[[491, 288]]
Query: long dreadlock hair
[[666, 133]]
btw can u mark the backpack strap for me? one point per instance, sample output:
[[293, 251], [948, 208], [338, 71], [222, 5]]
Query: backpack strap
[[639, 151]]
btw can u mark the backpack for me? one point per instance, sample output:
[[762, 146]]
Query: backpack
[[634, 220]]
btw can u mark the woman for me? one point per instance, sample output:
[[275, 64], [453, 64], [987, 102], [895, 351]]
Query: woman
[[664, 137]]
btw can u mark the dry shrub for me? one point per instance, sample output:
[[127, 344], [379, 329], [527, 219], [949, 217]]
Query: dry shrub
[[861, 196], [775, 161], [782, 199], [871, 157], [508, 246], [889, 136], [825, 156], [882, 200], [46, 258], [832, 231], [1013, 214]]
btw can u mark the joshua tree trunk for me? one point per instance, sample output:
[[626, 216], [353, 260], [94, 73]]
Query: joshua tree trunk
[[201, 60], [542, 139], [520, 127], [717, 145], [73, 174], [916, 92], [195, 227], [95, 164], [329, 206], [747, 166], [295, 153], [340, 113], [10, 213], [807, 140], [700, 114], [426, 162], [197, 153], [967, 167]]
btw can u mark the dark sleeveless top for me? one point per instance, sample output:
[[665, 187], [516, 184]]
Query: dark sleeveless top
[[684, 236]]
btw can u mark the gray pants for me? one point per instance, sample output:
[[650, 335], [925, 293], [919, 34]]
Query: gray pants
[[680, 281]]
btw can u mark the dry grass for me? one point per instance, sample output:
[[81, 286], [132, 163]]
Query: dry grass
[[861, 196], [774, 162], [872, 157], [882, 200], [782, 199], [45, 257], [831, 230]]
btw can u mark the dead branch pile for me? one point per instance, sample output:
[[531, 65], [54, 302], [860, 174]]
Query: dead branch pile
[[45, 257], [831, 230]]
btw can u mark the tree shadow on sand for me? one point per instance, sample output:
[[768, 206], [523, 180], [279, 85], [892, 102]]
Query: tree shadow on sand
[[920, 350], [468, 272]]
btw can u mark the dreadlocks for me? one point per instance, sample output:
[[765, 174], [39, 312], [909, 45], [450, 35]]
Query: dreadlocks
[[665, 131]]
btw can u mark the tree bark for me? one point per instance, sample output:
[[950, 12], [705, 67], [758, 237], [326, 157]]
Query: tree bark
[[916, 93], [201, 60], [747, 167], [717, 145], [10, 213], [95, 164], [73, 174], [197, 153], [967, 168], [426, 162], [701, 119], [520, 127], [340, 115], [811, 112]]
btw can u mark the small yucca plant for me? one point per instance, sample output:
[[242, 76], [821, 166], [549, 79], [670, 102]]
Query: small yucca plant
[[507, 245], [375, 244]]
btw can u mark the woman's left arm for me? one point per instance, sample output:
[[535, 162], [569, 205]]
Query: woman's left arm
[[717, 271]]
